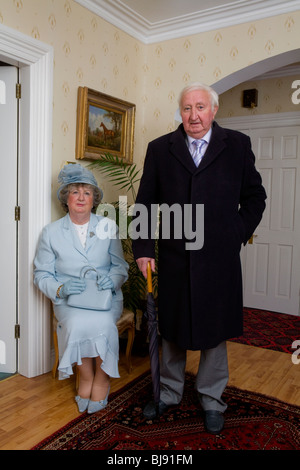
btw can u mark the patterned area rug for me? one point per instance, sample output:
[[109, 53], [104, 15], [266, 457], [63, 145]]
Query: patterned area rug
[[270, 330], [253, 422]]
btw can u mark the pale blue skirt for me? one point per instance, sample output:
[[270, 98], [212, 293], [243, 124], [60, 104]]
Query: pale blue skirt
[[88, 333]]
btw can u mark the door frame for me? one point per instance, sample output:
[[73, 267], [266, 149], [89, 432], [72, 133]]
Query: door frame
[[35, 62]]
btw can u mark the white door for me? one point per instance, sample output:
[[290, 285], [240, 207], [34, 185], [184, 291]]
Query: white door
[[8, 237], [272, 261]]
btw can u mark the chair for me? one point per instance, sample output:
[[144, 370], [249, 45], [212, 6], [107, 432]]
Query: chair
[[125, 323]]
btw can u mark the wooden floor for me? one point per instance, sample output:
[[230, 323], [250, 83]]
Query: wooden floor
[[32, 409]]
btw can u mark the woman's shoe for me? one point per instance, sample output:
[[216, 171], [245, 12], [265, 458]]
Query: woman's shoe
[[82, 403], [95, 406]]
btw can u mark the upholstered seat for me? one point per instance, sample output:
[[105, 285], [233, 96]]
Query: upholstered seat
[[125, 323]]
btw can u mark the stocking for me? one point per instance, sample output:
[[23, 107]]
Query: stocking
[[100, 383], [86, 374]]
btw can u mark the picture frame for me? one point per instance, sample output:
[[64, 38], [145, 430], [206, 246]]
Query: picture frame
[[104, 125]]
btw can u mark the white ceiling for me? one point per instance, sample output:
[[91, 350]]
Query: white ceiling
[[152, 21]]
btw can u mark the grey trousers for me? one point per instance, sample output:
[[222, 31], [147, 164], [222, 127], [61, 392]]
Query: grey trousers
[[211, 379]]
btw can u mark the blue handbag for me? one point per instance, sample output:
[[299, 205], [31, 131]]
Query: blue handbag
[[91, 298]]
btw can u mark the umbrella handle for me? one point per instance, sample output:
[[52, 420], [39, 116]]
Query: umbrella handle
[[149, 277]]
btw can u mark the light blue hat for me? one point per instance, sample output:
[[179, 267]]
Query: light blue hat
[[74, 173]]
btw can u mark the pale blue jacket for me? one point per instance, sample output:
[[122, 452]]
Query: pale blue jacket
[[60, 257]]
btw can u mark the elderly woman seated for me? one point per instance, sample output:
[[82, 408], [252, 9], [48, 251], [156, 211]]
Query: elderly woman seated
[[87, 336]]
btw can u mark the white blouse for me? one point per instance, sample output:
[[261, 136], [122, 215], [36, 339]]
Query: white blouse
[[82, 232]]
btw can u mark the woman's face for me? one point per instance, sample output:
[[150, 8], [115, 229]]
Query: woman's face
[[80, 200]]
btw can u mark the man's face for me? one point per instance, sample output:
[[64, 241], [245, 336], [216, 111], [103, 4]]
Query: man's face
[[197, 113]]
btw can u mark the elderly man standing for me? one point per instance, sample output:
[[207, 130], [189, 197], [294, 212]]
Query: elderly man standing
[[199, 285]]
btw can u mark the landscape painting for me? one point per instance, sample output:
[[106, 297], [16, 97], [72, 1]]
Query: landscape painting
[[104, 129]]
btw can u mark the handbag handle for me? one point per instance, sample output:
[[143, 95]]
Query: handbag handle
[[86, 269]]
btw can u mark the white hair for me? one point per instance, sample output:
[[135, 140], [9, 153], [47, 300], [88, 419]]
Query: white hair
[[198, 86]]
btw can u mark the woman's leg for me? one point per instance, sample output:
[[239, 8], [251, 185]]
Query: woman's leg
[[100, 389], [101, 382], [86, 377], [93, 381]]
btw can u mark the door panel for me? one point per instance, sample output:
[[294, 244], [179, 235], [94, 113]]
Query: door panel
[[272, 262], [8, 237]]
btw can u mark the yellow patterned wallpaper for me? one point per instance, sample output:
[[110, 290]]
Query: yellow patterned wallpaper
[[274, 96], [88, 51], [209, 57]]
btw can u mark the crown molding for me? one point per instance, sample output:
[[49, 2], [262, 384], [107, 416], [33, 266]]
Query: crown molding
[[235, 12]]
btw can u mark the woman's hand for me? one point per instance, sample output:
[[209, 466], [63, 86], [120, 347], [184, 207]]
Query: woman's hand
[[73, 286], [105, 282]]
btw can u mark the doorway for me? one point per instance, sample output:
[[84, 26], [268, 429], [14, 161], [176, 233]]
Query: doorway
[[271, 263], [9, 233], [34, 60]]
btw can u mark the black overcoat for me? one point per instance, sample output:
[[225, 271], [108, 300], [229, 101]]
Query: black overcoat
[[200, 291]]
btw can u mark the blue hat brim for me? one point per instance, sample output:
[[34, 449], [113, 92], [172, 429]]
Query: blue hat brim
[[73, 173]]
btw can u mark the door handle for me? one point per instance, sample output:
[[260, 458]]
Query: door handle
[[250, 241]]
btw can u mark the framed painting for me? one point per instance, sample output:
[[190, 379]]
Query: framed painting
[[104, 125]]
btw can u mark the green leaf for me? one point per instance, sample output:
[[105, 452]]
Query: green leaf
[[118, 172]]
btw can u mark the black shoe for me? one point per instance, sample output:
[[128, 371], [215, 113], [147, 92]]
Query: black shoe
[[213, 421], [151, 410]]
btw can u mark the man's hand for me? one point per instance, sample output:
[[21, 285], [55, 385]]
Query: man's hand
[[143, 263]]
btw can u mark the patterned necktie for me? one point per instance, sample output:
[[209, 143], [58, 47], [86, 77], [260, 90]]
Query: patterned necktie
[[197, 154]]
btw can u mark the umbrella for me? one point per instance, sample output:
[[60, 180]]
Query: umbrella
[[151, 317]]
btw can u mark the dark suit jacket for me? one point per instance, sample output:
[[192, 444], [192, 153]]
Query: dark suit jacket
[[200, 290]]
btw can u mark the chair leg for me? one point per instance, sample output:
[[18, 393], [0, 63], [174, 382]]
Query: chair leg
[[77, 376], [55, 365], [131, 333]]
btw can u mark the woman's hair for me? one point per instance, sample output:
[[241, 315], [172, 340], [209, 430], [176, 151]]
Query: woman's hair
[[197, 86], [64, 194]]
